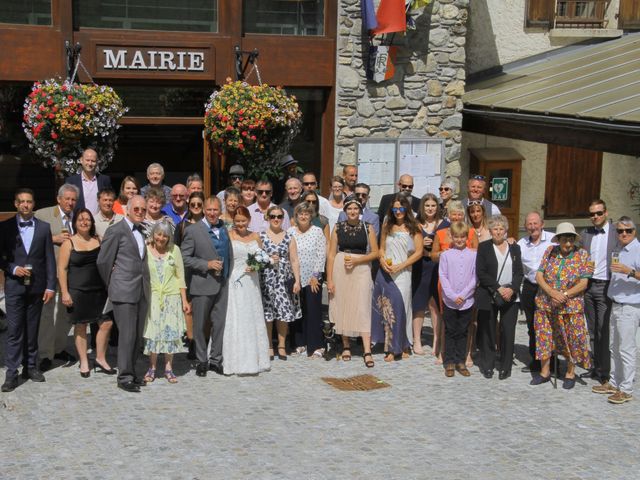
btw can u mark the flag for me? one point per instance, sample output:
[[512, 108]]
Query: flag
[[391, 17], [380, 66], [368, 15]]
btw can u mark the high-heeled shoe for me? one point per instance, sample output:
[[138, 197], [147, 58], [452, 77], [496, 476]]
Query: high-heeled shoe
[[282, 357], [99, 368], [86, 374]]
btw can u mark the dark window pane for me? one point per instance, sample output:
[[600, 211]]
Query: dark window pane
[[26, 12], [163, 101], [284, 17], [165, 15], [306, 147]]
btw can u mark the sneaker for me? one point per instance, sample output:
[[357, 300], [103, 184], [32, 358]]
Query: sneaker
[[605, 388], [620, 397]]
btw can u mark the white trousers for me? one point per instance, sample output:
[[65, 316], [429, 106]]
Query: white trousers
[[622, 344]]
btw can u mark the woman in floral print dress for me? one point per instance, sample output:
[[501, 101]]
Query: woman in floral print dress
[[559, 320]]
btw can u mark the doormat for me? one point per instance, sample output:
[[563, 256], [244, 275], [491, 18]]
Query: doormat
[[359, 382]]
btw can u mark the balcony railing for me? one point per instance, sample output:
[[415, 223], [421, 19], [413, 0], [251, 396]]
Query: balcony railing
[[581, 13]]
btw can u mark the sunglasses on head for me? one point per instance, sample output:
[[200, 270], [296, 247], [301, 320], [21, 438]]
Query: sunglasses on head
[[398, 209], [598, 213], [474, 202], [263, 192], [276, 217], [625, 230], [478, 177]]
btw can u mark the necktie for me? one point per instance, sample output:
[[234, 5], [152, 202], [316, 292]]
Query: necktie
[[67, 223], [28, 223]]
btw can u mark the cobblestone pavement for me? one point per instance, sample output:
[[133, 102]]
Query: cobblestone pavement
[[287, 423]]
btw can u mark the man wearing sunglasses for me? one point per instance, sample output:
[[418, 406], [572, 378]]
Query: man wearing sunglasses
[[122, 264], [234, 179], [624, 291], [177, 207], [367, 216], [310, 184], [600, 241], [258, 210], [476, 188], [405, 185]]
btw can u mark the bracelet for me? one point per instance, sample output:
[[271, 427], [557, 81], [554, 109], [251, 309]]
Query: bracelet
[[631, 274]]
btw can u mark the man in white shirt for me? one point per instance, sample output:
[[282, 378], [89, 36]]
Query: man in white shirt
[[258, 223], [599, 240], [624, 291], [532, 248], [310, 184]]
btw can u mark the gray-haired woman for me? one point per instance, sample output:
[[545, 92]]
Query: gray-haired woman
[[499, 271], [168, 304]]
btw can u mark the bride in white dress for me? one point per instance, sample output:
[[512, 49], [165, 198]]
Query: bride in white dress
[[245, 346]]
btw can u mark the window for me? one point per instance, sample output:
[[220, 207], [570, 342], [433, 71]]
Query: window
[[164, 101], [567, 13], [165, 15], [284, 17], [572, 181], [26, 12], [540, 13]]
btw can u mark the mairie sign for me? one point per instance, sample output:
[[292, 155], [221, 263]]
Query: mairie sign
[[151, 59]]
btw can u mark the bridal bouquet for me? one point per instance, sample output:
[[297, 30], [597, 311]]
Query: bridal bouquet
[[258, 260]]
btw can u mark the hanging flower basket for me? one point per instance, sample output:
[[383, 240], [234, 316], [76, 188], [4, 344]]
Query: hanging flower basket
[[61, 119], [253, 124]]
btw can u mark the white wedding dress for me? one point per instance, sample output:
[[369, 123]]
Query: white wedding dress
[[245, 347]]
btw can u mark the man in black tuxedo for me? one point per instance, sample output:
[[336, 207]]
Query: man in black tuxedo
[[405, 184], [28, 261], [88, 181], [599, 240]]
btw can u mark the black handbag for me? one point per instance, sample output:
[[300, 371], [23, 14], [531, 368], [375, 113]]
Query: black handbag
[[496, 298]]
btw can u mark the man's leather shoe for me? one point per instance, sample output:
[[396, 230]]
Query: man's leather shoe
[[139, 382], [487, 374], [45, 364], [64, 356], [504, 374], [35, 375], [129, 387], [201, 369], [10, 384], [215, 368]]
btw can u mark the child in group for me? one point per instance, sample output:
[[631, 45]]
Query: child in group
[[457, 274]]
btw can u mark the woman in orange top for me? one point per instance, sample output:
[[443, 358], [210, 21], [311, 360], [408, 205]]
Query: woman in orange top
[[128, 188]]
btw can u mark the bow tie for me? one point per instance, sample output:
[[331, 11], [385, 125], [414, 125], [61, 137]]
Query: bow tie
[[599, 231], [139, 228], [28, 223]]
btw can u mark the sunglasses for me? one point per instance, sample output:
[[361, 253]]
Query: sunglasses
[[474, 202], [625, 230], [406, 187], [263, 192], [195, 205], [567, 238], [248, 189], [276, 217], [478, 177], [312, 201], [139, 209], [177, 195], [599, 213], [444, 189], [309, 184], [398, 209], [362, 195], [237, 177]]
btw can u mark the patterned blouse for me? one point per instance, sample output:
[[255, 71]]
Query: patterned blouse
[[563, 273]]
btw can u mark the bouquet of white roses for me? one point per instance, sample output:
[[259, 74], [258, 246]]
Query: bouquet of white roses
[[258, 260]]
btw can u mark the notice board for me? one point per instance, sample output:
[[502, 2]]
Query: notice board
[[382, 161]]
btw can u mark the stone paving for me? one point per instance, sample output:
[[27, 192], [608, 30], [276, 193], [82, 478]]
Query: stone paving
[[287, 423]]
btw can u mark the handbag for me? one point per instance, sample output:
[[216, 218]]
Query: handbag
[[496, 298]]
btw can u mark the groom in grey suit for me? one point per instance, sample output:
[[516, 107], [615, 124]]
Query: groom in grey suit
[[206, 251], [122, 264]]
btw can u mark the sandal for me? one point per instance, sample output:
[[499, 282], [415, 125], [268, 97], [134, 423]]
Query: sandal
[[346, 357], [150, 376], [368, 363], [170, 376], [389, 357], [319, 353], [417, 350]]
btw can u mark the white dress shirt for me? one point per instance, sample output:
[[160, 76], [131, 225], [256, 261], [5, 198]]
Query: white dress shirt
[[599, 253], [137, 234], [532, 254], [624, 289]]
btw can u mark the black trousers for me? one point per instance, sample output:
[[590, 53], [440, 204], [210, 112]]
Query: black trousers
[[486, 339], [597, 307], [456, 326], [307, 331], [23, 320], [528, 305]]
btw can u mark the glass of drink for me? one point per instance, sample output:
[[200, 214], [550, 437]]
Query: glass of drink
[[27, 278], [389, 261], [615, 258], [347, 258]]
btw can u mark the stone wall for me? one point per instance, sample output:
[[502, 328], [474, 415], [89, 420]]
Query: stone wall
[[424, 96]]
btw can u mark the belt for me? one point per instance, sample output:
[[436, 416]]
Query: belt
[[595, 280], [530, 282]]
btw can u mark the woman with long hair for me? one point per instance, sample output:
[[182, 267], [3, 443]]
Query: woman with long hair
[[425, 274], [248, 192], [128, 188], [231, 204], [400, 247]]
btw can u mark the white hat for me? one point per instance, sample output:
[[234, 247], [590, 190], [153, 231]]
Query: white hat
[[565, 228]]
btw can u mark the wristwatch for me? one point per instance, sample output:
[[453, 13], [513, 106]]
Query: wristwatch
[[631, 274]]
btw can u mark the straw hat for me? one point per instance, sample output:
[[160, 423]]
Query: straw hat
[[565, 228]]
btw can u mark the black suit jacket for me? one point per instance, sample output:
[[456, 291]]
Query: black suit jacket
[[41, 256], [385, 202], [586, 236], [487, 269], [103, 182]]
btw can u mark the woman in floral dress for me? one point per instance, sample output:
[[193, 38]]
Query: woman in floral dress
[[165, 318], [559, 319]]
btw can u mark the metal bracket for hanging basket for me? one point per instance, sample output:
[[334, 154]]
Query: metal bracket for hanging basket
[[241, 64], [73, 54]]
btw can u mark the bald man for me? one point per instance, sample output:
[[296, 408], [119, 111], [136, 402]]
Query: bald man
[[405, 185], [177, 206]]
